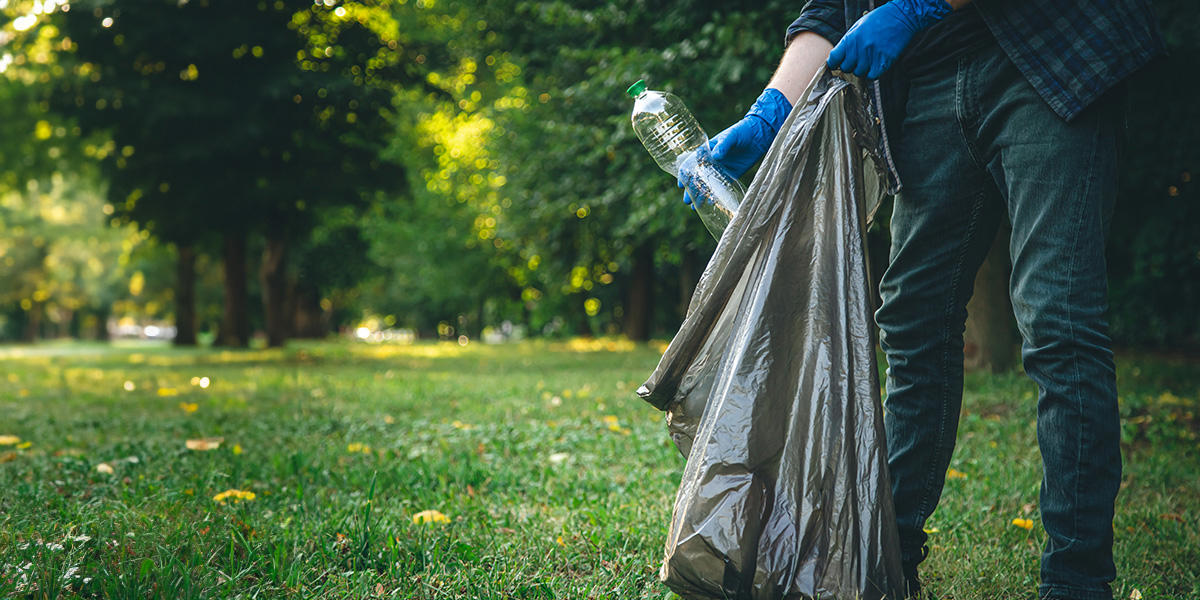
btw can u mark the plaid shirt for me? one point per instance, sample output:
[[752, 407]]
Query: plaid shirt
[[1071, 51]]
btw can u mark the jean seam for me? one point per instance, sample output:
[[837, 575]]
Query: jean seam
[[1071, 323], [961, 112], [923, 508]]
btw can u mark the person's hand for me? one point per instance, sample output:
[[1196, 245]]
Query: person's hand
[[744, 143], [872, 45]]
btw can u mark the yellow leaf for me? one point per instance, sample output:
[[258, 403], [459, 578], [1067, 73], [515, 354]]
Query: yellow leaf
[[430, 516], [234, 495], [1023, 523], [202, 444], [104, 468], [932, 530], [955, 474], [560, 541], [9, 440]]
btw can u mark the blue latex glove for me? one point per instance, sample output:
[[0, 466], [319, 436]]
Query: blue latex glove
[[874, 42], [744, 143]]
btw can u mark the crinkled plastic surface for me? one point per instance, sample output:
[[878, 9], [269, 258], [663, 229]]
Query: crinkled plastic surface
[[771, 389]]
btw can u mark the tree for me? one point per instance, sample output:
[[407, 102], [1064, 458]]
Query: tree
[[234, 118]]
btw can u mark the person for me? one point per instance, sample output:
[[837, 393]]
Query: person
[[989, 110]]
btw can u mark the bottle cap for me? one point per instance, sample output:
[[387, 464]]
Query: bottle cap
[[636, 89]]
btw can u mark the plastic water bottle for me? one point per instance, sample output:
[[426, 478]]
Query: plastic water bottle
[[673, 137]]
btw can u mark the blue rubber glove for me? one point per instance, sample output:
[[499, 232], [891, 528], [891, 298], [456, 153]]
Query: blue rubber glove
[[874, 42], [744, 143]]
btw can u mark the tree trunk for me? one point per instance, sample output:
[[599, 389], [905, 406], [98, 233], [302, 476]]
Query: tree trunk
[[583, 326], [33, 323], [309, 318], [989, 342], [273, 275], [688, 278], [235, 323], [639, 305], [185, 297]]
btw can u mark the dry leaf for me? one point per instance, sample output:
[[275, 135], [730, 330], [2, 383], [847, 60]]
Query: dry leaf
[[201, 444]]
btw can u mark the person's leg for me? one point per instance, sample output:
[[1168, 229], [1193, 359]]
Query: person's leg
[[942, 225], [1059, 182]]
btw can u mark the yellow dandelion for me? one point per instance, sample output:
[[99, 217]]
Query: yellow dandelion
[[430, 516], [1023, 523], [357, 448], [24, 445], [234, 495], [611, 420], [167, 392], [955, 474], [237, 448], [204, 444], [9, 440], [461, 425], [189, 407], [560, 542], [104, 468]]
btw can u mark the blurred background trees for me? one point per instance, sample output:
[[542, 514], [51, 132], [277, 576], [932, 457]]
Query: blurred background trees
[[294, 168]]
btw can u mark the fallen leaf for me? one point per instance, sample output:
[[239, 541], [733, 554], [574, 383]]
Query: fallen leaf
[[430, 516], [202, 444], [234, 495], [9, 440], [104, 468]]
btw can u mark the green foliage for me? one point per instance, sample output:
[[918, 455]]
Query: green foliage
[[240, 130], [556, 481], [1155, 248]]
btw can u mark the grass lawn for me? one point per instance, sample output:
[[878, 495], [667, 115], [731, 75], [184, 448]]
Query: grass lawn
[[554, 480]]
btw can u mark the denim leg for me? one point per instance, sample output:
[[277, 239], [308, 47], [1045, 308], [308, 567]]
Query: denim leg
[[942, 225], [1059, 183]]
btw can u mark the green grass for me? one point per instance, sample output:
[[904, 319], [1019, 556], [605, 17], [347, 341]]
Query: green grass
[[342, 444]]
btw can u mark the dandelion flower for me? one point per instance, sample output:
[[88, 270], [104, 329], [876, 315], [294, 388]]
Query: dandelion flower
[[167, 392], [955, 474], [1023, 523], [189, 407], [357, 448], [430, 516], [234, 495], [203, 444]]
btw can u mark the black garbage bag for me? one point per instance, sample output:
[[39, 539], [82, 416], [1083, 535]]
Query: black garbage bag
[[771, 389]]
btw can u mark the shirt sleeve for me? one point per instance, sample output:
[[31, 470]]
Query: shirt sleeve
[[826, 18]]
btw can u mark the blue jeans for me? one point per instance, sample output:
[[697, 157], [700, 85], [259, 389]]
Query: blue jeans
[[978, 145]]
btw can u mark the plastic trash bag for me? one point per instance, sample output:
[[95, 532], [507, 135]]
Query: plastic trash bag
[[771, 389]]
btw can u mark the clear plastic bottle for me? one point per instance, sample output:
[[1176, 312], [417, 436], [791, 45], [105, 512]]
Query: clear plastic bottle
[[673, 137]]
